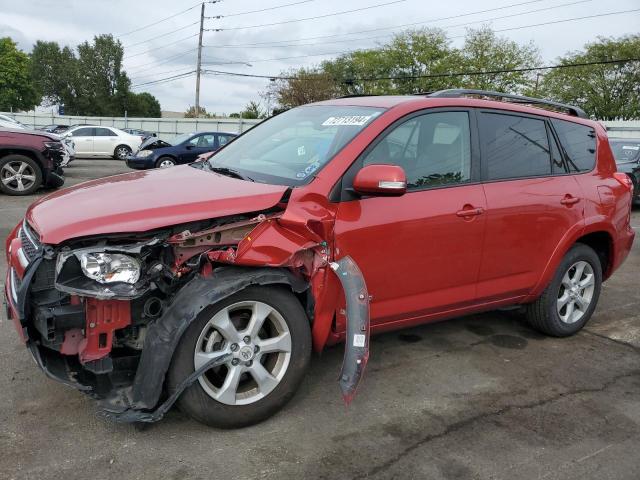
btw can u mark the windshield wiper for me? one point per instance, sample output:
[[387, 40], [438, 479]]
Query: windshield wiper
[[229, 172]]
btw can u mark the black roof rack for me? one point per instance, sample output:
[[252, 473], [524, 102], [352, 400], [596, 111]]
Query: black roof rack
[[462, 92]]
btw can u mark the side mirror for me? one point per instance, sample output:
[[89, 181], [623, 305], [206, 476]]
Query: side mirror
[[381, 180], [190, 147]]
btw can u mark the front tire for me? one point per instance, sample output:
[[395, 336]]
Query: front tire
[[268, 334], [567, 304], [165, 162], [19, 175]]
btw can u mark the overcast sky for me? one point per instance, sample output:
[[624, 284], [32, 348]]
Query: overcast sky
[[169, 48]]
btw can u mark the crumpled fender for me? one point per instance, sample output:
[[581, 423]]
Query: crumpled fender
[[164, 334]]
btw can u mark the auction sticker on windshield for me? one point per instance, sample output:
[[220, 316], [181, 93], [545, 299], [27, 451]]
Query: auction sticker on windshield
[[358, 120]]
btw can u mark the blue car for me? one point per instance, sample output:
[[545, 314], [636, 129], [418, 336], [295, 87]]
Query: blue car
[[185, 148]]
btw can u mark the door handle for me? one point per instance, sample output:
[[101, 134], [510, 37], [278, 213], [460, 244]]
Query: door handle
[[470, 212], [569, 200]]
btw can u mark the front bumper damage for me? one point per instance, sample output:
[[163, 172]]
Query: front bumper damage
[[76, 332]]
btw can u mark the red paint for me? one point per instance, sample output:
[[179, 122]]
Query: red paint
[[144, 200], [103, 317], [425, 255]]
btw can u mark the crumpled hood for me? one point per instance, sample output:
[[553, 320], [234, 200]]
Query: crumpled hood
[[145, 200]]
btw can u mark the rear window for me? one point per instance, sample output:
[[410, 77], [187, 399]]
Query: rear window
[[625, 151], [579, 144], [514, 146]]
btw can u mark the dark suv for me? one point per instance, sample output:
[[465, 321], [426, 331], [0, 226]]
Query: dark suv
[[29, 160]]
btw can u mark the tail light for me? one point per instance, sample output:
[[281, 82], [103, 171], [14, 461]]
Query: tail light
[[624, 179]]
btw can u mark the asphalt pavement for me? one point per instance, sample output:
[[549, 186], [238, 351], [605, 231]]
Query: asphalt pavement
[[479, 397]]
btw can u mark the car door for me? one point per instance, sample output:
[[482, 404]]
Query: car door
[[197, 145], [104, 141], [532, 203], [420, 252], [83, 139]]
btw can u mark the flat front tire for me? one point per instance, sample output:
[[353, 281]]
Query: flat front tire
[[267, 333], [568, 302]]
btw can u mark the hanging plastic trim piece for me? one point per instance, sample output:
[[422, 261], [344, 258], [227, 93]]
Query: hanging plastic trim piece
[[356, 352]]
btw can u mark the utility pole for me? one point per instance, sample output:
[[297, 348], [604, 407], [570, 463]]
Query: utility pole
[[198, 69]]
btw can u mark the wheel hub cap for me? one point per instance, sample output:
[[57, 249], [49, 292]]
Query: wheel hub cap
[[245, 354], [576, 292]]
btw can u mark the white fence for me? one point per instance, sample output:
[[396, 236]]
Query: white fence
[[168, 127], [164, 127]]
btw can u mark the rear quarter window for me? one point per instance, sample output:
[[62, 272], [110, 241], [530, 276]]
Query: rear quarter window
[[514, 146], [579, 144]]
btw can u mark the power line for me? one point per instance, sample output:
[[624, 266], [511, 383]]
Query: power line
[[165, 79], [246, 27], [496, 31], [275, 7], [386, 28], [138, 69], [155, 74], [391, 34], [439, 75], [160, 48], [160, 36], [159, 21]]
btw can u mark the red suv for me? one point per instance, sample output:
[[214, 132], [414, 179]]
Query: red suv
[[30, 160], [214, 281]]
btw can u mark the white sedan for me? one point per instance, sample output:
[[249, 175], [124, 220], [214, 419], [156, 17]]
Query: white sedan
[[101, 141]]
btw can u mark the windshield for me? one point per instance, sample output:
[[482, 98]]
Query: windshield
[[180, 138], [290, 148], [626, 151]]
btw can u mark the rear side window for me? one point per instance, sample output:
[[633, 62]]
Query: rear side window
[[514, 146], [579, 145]]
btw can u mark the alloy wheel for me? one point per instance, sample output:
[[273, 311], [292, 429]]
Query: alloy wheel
[[122, 153], [576, 292], [259, 340], [166, 164], [18, 176]]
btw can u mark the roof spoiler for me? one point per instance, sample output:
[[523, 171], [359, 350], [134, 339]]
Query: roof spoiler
[[462, 92]]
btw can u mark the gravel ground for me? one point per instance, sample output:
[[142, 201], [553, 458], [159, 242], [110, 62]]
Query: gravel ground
[[479, 397]]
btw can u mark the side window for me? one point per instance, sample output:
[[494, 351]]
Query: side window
[[104, 132], [433, 149], [206, 141], [195, 140], [83, 132], [223, 140], [514, 146], [579, 144]]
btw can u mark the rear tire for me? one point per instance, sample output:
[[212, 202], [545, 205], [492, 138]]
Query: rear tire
[[121, 152], [215, 399], [568, 302], [19, 175]]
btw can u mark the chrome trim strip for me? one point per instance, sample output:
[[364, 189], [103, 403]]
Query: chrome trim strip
[[13, 286], [22, 258]]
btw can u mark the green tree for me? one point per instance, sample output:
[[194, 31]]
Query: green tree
[[91, 83], [606, 91], [252, 110], [302, 86], [483, 51], [16, 87], [53, 70]]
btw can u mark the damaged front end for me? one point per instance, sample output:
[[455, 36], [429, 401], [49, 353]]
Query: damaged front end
[[105, 315]]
